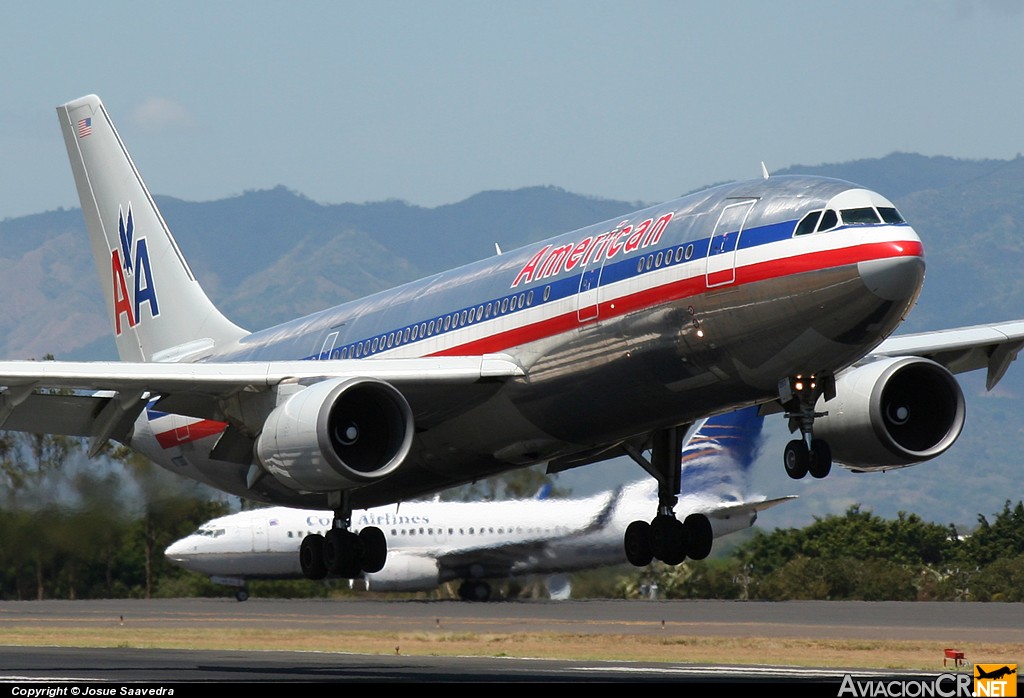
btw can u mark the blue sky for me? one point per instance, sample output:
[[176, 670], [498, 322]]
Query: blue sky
[[431, 102]]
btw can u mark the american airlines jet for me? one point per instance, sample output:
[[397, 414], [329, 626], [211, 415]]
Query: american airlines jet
[[780, 292], [433, 542]]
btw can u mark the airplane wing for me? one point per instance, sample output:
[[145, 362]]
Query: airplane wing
[[102, 399], [515, 556], [992, 347], [523, 556], [724, 512]]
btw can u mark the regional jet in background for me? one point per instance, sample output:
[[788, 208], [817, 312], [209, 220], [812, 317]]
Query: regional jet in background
[[433, 542], [610, 340]]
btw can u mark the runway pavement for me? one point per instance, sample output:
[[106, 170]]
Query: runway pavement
[[943, 622]]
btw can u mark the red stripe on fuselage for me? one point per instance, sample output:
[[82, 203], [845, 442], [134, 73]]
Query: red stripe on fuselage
[[188, 433], [685, 288]]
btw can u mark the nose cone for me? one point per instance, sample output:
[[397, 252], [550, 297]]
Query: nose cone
[[896, 279], [180, 552], [896, 274]]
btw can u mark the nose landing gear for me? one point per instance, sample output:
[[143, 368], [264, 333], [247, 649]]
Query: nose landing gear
[[799, 394]]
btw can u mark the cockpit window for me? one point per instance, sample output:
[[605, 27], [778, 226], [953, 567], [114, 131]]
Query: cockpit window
[[829, 220], [890, 215], [860, 216], [806, 225]]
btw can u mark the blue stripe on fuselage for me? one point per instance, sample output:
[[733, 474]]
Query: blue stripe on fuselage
[[560, 288]]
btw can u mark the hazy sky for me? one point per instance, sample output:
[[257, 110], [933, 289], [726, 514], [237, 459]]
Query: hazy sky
[[431, 102]]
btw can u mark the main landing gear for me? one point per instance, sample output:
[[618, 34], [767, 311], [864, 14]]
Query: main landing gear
[[340, 552], [665, 537], [799, 395]]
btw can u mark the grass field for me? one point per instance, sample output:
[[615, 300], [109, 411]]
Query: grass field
[[927, 656]]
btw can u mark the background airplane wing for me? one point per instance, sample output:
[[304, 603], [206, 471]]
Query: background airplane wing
[[507, 559], [103, 399], [992, 347], [727, 511]]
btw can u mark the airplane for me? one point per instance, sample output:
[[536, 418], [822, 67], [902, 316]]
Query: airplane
[[995, 674], [781, 291], [435, 542]]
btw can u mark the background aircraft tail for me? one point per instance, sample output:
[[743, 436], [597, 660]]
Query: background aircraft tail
[[719, 453], [715, 478], [157, 308]]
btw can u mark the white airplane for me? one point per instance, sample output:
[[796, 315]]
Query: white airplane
[[433, 542], [610, 340]]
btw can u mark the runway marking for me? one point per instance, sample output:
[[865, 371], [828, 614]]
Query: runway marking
[[5, 678], [773, 671]]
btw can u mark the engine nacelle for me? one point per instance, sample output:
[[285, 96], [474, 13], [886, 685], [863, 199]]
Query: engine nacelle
[[405, 572], [892, 413], [337, 434]]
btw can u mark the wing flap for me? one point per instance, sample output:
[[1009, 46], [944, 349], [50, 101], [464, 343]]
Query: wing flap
[[66, 415]]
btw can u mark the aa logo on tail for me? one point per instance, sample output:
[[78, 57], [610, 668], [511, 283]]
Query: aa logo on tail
[[130, 262]]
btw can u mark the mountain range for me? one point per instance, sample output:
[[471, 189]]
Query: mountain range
[[269, 255]]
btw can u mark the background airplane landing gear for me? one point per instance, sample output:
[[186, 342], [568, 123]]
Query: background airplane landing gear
[[474, 590]]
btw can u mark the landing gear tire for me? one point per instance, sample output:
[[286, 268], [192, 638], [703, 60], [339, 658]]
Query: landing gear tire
[[242, 595], [668, 539], [820, 459], [342, 553], [700, 536], [797, 459], [637, 542], [311, 557], [375, 549]]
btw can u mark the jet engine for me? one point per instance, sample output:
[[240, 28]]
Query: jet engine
[[337, 434], [892, 413], [405, 572]]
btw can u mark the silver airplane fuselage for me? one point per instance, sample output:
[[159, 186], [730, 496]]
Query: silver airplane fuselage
[[652, 320]]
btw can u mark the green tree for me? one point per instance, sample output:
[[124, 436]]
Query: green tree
[[522, 483], [1002, 538], [167, 508], [854, 556], [1000, 580]]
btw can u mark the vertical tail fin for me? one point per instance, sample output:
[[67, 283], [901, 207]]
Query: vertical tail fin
[[719, 453], [158, 309]]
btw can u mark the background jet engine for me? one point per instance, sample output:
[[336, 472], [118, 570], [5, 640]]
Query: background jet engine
[[892, 413], [405, 572], [337, 434]]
